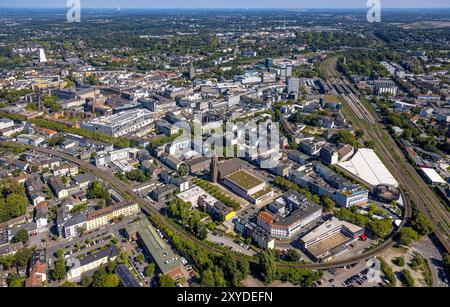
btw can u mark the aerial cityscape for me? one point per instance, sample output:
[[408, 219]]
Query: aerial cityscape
[[238, 144]]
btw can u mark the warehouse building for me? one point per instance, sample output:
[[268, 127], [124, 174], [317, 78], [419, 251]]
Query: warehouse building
[[366, 165], [154, 246]]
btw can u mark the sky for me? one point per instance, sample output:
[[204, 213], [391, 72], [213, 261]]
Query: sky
[[228, 3]]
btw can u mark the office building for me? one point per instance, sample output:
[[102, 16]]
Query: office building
[[121, 123]]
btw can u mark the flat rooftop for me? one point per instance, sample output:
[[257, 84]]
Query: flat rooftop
[[121, 118], [244, 179], [433, 175], [328, 244], [192, 195], [329, 226], [163, 255]]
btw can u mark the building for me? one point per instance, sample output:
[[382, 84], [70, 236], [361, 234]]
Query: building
[[41, 216], [248, 186], [250, 230], [119, 124], [331, 155], [70, 228], [327, 239], [103, 216], [331, 102], [163, 193], [58, 187], [289, 214], [4, 233], [127, 279], [6, 123], [117, 157], [157, 103], [172, 162], [218, 210], [166, 128], [30, 139], [310, 147], [229, 166], [10, 249], [37, 270], [198, 165], [293, 87], [324, 182], [84, 180], [194, 194], [384, 87], [155, 247], [297, 156], [92, 262], [365, 164], [431, 176], [180, 182], [214, 171]]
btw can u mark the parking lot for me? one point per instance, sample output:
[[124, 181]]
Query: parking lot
[[350, 276], [224, 240]]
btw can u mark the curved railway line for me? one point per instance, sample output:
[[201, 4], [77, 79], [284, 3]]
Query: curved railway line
[[124, 189], [406, 175]]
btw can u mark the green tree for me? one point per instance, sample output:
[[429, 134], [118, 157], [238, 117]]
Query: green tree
[[183, 170], [136, 175], [407, 278], [421, 224], [344, 137], [140, 258], [22, 257], [207, 278], [328, 203], [21, 236], [150, 270], [59, 272], [15, 281], [165, 281], [292, 255], [399, 261], [59, 253], [380, 229], [408, 235], [268, 266], [68, 284], [96, 190], [103, 279]]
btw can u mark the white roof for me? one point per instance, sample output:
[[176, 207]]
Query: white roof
[[366, 165], [328, 226], [433, 175]]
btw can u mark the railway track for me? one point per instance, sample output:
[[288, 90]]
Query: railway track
[[124, 189], [427, 202]]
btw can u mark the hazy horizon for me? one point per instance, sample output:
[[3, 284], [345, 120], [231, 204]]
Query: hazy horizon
[[230, 4]]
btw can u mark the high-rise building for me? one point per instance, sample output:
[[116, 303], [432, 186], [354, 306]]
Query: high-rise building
[[214, 168], [293, 86], [191, 71], [268, 63], [42, 58]]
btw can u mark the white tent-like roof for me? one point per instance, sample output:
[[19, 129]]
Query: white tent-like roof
[[366, 165]]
